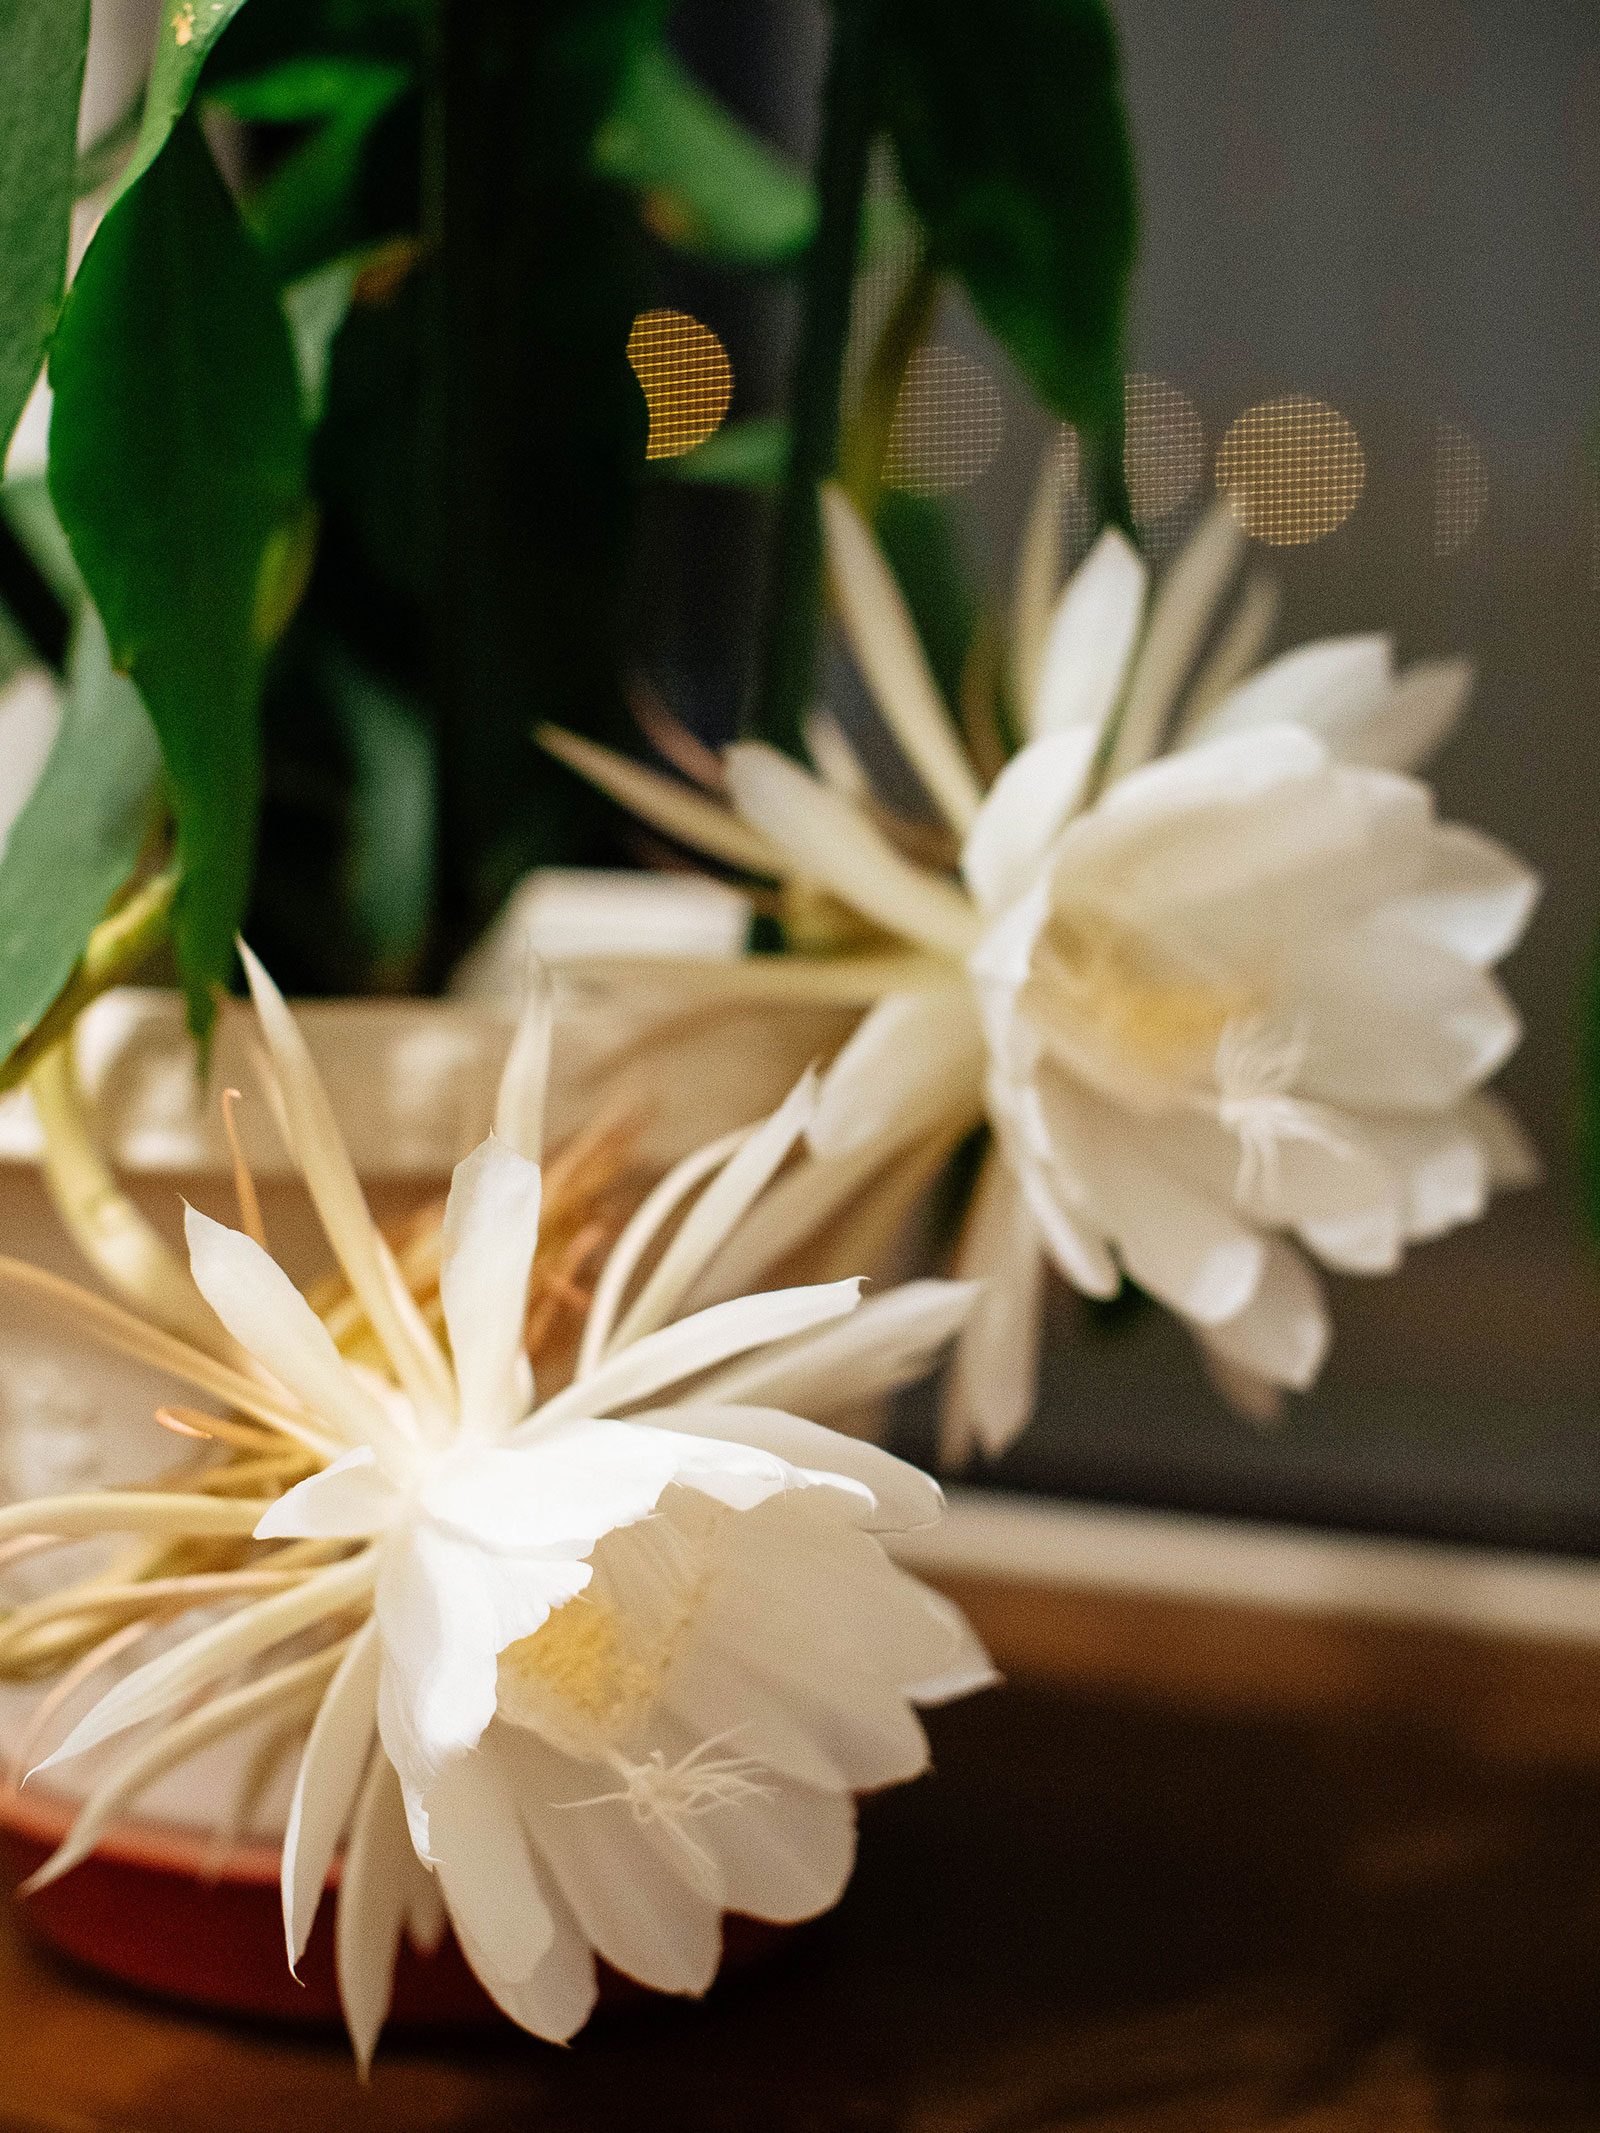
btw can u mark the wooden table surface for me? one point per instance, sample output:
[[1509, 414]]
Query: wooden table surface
[[1105, 1911]]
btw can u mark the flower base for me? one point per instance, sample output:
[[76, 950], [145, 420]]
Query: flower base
[[167, 1911]]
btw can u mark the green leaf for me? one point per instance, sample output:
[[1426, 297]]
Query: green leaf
[[305, 215], [78, 837], [31, 516], [189, 29], [42, 47], [317, 306], [315, 86], [750, 454], [1013, 147], [709, 184], [390, 866], [178, 466]]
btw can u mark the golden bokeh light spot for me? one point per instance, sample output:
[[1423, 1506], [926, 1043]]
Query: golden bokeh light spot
[[687, 380], [948, 423], [1292, 470], [1164, 449], [1460, 487]]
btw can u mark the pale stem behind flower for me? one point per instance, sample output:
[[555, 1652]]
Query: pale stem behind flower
[[108, 1229]]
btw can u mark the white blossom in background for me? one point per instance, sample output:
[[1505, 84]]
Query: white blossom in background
[[584, 1671], [1204, 958]]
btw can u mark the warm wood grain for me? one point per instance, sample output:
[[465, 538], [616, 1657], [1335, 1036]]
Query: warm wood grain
[[1109, 1910]]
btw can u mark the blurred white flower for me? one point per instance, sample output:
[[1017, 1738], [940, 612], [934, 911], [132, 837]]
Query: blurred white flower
[[1207, 963], [586, 1671]]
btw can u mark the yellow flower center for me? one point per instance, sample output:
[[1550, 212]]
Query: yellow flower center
[[585, 1659], [1124, 1009], [592, 1674]]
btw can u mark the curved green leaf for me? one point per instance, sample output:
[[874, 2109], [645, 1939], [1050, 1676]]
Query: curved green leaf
[[42, 51], [189, 29], [749, 454], [78, 837], [1013, 146], [710, 185], [178, 466]]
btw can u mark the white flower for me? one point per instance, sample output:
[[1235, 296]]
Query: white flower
[[587, 1671], [1212, 970]]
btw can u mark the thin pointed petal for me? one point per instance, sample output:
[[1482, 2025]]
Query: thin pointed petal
[[681, 813], [525, 1078], [695, 1344], [331, 1769], [890, 655], [267, 1315], [491, 1229], [831, 842], [717, 1213], [155, 1688], [340, 1203]]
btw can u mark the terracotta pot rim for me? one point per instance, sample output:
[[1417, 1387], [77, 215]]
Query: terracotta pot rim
[[158, 1847]]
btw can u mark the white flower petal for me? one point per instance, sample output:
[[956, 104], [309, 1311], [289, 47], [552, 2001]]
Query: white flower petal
[[480, 1854], [1393, 1023], [1282, 1333], [1474, 898], [332, 1767], [902, 1495], [446, 1610], [685, 815], [373, 1888], [718, 1212], [1414, 718], [556, 1494], [1441, 1165], [784, 1854], [331, 1179], [828, 840], [1090, 640], [525, 1077], [890, 655], [491, 1228], [694, 1344], [1332, 688], [641, 1233], [1038, 791], [992, 1385], [163, 1683], [1241, 644], [347, 1501], [630, 1903], [558, 1998], [266, 1314], [1180, 618], [716, 1694], [1183, 1245], [892, 1340], [910, 1061]]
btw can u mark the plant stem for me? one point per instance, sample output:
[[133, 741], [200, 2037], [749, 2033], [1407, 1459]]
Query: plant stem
[[794, 600], [116, 948], [865, 449]]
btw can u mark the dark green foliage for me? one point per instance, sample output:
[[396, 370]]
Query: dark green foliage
[[78, 837], [1013, 146], [42, 50], [177, 467], [709, 185]]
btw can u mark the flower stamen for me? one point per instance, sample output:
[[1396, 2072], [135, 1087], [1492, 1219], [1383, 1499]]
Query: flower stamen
[[1257, 1065], [669, 1795]]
